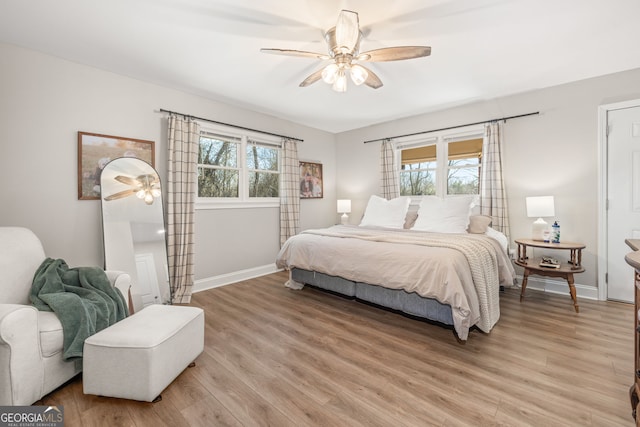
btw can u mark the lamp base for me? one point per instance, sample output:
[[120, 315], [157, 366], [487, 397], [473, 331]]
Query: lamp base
[[344, 219], [538, 228]]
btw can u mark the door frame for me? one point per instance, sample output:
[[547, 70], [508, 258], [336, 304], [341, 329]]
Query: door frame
[[603, 256]]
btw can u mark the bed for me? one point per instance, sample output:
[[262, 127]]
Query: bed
[[451, 275]]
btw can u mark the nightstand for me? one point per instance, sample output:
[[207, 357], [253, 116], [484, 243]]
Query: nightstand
[[566, 270]]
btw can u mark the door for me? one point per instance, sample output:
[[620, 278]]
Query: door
[[147, 284], [623, 198]]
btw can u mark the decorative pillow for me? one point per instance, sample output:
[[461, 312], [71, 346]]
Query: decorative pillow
[[385, 213], [478, 224], [448, 215], [410, 219]]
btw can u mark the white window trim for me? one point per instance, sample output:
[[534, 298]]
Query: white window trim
[[243, 201], [440, 140]]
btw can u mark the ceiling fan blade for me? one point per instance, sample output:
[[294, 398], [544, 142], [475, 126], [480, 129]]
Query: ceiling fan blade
[[347, 30], [127, 180], [300, 53], [394, 53], [312, 78], [120, 195], [372, 79]]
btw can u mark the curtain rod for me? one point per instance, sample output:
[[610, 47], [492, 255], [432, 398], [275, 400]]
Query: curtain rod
[[454, 127], [162, 110]]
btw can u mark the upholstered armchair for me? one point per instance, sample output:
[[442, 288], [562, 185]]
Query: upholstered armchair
[[31, 341]]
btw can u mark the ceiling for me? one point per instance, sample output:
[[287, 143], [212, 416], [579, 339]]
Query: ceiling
[[481, 49]]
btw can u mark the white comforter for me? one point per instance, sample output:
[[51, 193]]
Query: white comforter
[[460, 270]]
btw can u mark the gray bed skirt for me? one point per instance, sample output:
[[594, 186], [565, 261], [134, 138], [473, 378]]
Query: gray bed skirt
[[395, 299]]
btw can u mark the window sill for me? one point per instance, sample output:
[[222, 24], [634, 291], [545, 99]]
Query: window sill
[[236, 204]]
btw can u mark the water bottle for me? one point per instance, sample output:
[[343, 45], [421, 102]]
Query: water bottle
[[555, 232]]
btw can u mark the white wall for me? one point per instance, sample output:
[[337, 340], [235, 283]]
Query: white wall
[[554, 153], [45, 101]]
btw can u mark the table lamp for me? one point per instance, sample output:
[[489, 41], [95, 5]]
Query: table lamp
[[344, 207], [540, 207]]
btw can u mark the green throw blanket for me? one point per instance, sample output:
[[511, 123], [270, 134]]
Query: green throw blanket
[[83, 299]]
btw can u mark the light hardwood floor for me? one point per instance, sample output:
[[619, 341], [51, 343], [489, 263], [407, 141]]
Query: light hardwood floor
[[279, 357]]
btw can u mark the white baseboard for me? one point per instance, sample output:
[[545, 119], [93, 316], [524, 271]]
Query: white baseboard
[[559, 287], [535, 282], [236, 276]]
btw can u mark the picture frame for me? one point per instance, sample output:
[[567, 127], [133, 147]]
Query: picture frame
[[96, 150], [311, 182]]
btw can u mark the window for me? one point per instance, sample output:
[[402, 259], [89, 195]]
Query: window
[[463, 166], [441, 165], [263, 169], [418, 171], [218, 170], [237, 169]]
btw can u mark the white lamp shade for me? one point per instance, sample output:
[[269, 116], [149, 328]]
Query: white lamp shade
[[329, 73], [340, 84], [358, 74], [538, 207], [344, 206]]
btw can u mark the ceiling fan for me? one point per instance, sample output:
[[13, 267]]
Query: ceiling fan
[[144, 187], [344, 52]]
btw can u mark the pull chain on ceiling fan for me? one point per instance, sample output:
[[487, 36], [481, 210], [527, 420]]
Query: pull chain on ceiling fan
[[344, 51]]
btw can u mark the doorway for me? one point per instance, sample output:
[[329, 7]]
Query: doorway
[[147, 285], [619, 197]]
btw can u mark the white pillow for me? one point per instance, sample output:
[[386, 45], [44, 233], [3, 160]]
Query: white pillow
[[448, 215], [385, 213], [500, 237]]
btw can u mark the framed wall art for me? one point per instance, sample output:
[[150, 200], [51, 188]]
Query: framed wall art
[[95, 151], [310, 180]]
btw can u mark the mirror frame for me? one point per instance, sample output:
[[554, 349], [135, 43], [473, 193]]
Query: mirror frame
[[132, 220]]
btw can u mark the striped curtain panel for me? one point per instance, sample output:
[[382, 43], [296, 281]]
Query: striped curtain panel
[[182, 184], [493, 198], [390, 188], [289, 191]]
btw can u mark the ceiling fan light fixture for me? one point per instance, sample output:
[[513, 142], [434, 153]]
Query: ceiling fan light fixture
[[148, 198], [155, 192], [330, 73], [343, 42], [340, 85], [140, 194], [358, 74]]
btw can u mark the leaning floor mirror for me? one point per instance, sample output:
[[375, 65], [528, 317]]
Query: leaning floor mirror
[[134, 229]]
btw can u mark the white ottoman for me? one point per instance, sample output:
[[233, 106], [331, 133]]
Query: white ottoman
[[141, 355]]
